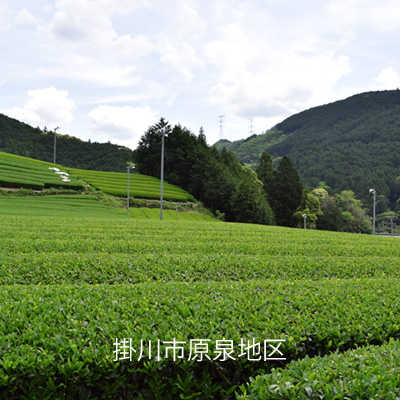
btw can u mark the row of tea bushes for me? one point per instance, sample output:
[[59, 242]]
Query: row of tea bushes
[[61, 339], [371, 372]]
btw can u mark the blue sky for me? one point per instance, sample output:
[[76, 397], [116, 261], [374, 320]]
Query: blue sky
[[107, 69]]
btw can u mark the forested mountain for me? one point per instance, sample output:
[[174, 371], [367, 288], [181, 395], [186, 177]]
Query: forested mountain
[[349, 144], [21, 139]]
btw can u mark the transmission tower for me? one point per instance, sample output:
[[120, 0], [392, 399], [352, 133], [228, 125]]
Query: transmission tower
[[221, 122], [251, 127]]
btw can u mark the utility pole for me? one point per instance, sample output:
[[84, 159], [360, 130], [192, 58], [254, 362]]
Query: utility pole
[[373, 192], [129, 167], [221, 121], [164, 133], [55, 146], [391, 225]]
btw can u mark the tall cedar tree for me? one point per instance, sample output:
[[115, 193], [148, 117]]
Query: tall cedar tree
[[148, 152], [285, 193], [265, 171]]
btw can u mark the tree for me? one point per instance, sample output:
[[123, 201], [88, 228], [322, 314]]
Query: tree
[[148, 152], [331, 218], [360, 222], [310, 205], [265, 171], [250, 202], [215, 178], [285, 193]]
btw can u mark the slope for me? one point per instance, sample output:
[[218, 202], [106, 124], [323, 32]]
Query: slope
[[22, 139], [349, 144]]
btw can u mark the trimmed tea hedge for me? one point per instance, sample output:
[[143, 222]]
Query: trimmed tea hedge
[[371, 372], [61, 339], [21, 172], [141, 186]]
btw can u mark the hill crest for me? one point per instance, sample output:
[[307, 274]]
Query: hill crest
[[348, 144]]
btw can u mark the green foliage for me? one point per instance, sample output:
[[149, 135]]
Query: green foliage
[[265, 171], [84, 206], [350, 144], [285, 193], [21, 139], [140, 186], [343, 212], [214, 178], [71, 286], [21, 172], [68, 250], [365, 373]]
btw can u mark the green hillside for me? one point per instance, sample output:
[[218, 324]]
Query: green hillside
[[22, 139], [22, 172], [349, 144]]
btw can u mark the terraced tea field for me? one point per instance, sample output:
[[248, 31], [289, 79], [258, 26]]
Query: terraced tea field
[[22, 172], [131, 308], [141, 186]]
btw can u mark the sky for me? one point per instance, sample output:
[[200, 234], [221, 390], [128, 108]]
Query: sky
[[106, 70]]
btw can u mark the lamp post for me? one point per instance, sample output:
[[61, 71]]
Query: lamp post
[[164, 133], [305, 220], [55, 140], [373, 192], [129, 167]]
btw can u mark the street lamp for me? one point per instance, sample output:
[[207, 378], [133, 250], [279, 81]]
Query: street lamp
[[373, 192], [305, 219], [55, 139], [164, 133], [129, 167]]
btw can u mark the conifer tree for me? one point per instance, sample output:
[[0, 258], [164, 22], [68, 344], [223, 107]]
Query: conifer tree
[[285, 193]]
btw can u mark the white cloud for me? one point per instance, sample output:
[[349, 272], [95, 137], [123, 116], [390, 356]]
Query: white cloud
[[89, 22], [290, 82], [77, 20], [179, 57], [46, 107], [124, 125], [388, 79], [4, 17], [25, 18], [91, 70], [192, 60], [89, 48], [383, 15]]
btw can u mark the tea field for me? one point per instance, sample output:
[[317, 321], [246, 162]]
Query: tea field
[[23, 172], [129, 308], [140, 186]]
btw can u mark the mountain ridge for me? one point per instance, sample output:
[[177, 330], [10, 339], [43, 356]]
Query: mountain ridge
[[349, 144]]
